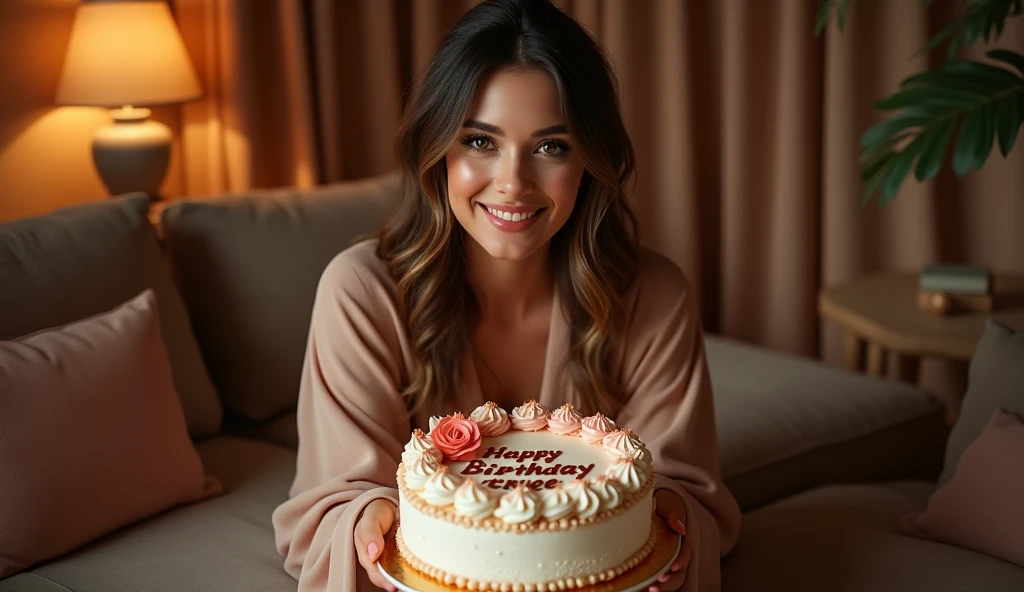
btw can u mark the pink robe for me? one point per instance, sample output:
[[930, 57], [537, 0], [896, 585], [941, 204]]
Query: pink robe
[[352, 427]]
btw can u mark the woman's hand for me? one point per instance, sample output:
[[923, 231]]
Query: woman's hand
[[670, 506], [377, 518]]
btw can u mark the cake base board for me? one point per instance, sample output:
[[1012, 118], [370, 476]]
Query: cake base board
[[666, 549]]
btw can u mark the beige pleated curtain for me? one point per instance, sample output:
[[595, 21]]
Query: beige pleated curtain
[[746, 128]]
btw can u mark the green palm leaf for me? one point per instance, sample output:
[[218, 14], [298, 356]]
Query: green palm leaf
[[979, 102], [983, 18]]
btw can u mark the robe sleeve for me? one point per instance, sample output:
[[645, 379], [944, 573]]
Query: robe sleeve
[[352, 426], [670, 407]]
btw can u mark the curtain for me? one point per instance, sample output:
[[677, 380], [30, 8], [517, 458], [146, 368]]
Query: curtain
[[746, 127]]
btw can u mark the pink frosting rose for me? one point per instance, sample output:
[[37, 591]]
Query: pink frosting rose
[[456, 437]]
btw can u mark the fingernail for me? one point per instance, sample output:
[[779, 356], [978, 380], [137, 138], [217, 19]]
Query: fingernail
[[372, 549], [677, 566], [664, 578], [653, 589], [680, 526]]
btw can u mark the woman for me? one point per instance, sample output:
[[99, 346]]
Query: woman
[[510, 273]]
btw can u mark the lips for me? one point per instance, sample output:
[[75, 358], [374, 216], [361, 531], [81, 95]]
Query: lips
[[512, 218]]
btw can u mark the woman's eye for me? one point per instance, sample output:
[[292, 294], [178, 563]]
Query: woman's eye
[[477, 143], [553, 148]]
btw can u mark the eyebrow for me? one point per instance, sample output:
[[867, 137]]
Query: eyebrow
[[492, 129]]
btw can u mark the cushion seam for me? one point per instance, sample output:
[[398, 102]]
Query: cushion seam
[[32, 573]]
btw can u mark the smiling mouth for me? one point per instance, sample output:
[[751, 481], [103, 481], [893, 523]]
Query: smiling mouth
[[511, 216]]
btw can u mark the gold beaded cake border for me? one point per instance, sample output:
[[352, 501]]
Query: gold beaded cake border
[[448, 579], [493, 524]]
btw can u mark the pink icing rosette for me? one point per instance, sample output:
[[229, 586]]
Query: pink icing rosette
[[596, 427], [456, 437], [622, 443], [565, 421], [530, 417], [491, 419]]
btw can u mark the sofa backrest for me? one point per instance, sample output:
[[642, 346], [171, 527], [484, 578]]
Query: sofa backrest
[[248, 266], [87, 259]]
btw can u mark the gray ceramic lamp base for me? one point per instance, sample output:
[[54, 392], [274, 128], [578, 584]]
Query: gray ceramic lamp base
[[132, 153]]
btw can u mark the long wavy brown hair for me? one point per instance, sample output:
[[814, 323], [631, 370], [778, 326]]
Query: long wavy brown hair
[[593, 256]]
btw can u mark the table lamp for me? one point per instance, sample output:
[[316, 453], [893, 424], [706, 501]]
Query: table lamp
[[123, 54]]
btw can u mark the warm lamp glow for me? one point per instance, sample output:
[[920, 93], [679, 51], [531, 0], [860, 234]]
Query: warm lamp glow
[[126, 53]]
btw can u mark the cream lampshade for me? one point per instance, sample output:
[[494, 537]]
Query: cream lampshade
[[123, 54]]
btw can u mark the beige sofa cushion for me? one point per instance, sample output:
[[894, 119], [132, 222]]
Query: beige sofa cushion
[[845, 538], [787, 423], [248, 266], [87, 259], [224, 544]]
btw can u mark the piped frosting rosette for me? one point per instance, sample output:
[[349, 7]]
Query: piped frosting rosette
[[530, 417], [621, 443], [609, 491], [419, 469], [627, 473], [472, 500], [594, 428], [439, 490], [587, 503], [565, 421], [557, 503], [491, 419], [420, 442], [518, 506]]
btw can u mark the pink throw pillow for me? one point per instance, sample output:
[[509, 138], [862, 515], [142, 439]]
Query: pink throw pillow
[[92, 434], [982, 506]]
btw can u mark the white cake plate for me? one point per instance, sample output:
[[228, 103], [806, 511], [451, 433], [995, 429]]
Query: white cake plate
[[640, 578]]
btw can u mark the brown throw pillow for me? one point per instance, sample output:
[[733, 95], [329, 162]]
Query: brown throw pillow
[[92, 434], [982, 506]]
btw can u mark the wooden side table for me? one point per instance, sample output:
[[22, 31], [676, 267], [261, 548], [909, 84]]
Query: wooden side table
[[879, 314]]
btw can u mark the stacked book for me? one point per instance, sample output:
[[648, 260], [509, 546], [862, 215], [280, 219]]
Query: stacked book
[[945, 287]]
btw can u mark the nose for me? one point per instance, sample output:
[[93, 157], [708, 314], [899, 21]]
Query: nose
[[512, 179]]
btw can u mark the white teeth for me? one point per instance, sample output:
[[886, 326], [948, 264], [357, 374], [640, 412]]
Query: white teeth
[[517, 217]]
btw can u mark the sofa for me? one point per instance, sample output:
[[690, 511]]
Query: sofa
[[823, 462]]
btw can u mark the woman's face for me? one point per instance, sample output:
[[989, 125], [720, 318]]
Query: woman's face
[[513, 171]]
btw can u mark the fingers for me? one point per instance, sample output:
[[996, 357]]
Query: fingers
[[385, 517], [676, 576], [672, 508], [683, 561], [669, 581], [676, 521], [369, 540]]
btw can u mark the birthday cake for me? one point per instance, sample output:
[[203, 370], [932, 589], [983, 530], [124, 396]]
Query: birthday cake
[[524, 501]]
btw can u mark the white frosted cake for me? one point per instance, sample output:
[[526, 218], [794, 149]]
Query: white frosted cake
[[528, 501]]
